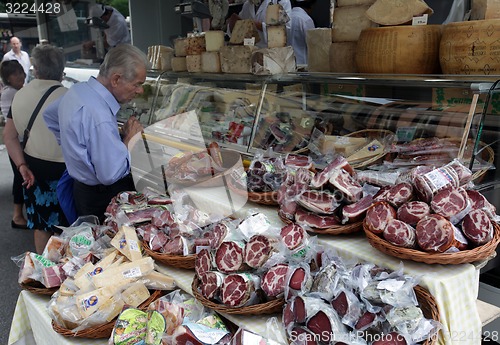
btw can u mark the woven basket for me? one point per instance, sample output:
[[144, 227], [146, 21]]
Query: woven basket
[[370, 134], [270, 307], [38, 288], [334, 230], [178, 261], [104, 330], [429, 308], [465, 256]]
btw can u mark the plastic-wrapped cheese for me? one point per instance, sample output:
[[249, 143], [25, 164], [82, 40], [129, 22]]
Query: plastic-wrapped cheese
[[195, 45], [214, 40], [395, 12], [318, 49], [343, 57], [179, 64], [210, 62], [193, 63], [244, 28], [180, 45], [236, 59], [276, 36], [273, 61], [348, 22]]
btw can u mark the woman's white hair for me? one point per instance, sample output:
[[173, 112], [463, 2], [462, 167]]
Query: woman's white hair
[[124, 59]]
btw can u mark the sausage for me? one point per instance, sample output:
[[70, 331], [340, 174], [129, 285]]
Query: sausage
[[214, 151]]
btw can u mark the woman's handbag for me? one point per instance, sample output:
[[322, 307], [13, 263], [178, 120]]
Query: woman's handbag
[[65, 196]]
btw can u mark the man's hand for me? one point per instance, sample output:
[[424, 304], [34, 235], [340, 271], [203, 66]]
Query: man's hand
[[131, 128]]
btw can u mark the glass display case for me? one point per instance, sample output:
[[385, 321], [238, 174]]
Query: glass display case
[[376, 121]]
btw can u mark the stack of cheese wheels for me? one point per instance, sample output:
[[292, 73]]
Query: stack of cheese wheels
[[471, 47], [399, 49]]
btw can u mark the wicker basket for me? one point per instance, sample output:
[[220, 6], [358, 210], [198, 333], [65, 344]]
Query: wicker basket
[[38, 288], [465, 256], [334, 230], [370, 134], [429, 308], [178, 261], [270, 307], [104, 330]]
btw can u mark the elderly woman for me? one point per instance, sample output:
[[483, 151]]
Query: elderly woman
[[39, 160]]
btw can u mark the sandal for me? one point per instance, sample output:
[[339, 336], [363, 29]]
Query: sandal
[[18, 226]]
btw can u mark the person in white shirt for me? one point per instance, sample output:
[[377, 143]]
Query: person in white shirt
[[16, 53], [301, 22], [118, 32], [256, 10]]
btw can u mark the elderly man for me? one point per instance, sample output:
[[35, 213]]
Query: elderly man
[[84, 120], [16, 53]]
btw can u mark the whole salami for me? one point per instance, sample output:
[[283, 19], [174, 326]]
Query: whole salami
[[436, 234], [237, 289], [477, 227], [258, 249], [452, 204], [293, 235], [211, 282], [398, 194], [413, 211], [229, 257], [203, 261], [400, 234], [378, 216], [273, 282]]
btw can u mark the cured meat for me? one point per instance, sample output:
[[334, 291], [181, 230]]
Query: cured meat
[[258, 249], [428, 184], [298, 161], [229, 257], [378, 216], [451, 203], [400, 234], [211, 282], [365, 321], [174, 246], [158, 240], [299, 279], [273, 283], [355, 212], [314, 220], [477, 227], [203, 262], [299, 309], [288, 316], [321, 178], [217, 235], [325, 324], [287, 210], [325, 282], [318, 201], [346, 184], [435, 233], [413, 211], [340, 304], [303, 176], [183, 336], [464, 173], [293, 235], [53, 276], [479, 202], [237, 289], [163, 219], [399, 194]]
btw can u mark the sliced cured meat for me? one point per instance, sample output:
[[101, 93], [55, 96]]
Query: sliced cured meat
[[399, 194], [400, 234], [273, 282], [163, 219], [365, 321], [300, 279], [321, 178], [428, 184], [258, 249], [217, 235], [237, 289], [435, 233], [413, 211], [287, 210], [378, 216], [325, 324], [318, 201], [293, 235], [298, 161], [157, 240], [355, 212], [340, 304], [211, 282], [203, 262], [174, 246], [392, 338], [229, 257], [299, 309], [303, 176], [479, 202], [314, 220], [288, 316], [345, 183], [183, 336], [477, 227], [451, 203], [464, 173]]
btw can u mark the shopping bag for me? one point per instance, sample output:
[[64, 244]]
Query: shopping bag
[[65, 196]]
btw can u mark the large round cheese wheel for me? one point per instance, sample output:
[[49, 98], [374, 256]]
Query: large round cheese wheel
[[399, 49], [471, 47]]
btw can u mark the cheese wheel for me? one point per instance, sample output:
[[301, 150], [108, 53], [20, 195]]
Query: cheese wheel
[[318, 49], [395, 12], [348, 22], [244, 28], [343, 57], [399, 49], [471, 47]]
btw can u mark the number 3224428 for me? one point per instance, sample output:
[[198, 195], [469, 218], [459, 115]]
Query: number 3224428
[[25, 8]]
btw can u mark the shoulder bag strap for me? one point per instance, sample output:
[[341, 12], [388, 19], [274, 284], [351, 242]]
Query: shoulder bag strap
[[35, 113]]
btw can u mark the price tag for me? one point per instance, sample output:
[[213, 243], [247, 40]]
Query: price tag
[[405, 134], [421, 20], [249, 41]]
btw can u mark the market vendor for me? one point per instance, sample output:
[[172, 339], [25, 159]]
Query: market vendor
[[117, 31], [85, 122]]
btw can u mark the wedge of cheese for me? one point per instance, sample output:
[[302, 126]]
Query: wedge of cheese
[[135, 294], [214, 40], [195, 45], [236, 59], [210, 62], [276, 15], [125, 273], [396, 12], [348, 22], [343, 57], [111, 308], [132, 242], [180, 45], [318, 49], [193, 63], [179, 64], [343, 145], [88, 303], [244, 28], [120, 243], [268, 61], [158, 281], [368, 151], [276, 36]]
